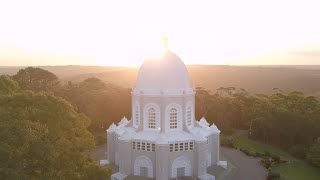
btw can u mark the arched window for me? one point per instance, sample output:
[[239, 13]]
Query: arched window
[[181, 167], [189, 116], [173, 118], [143, 167], [151, 118], [137, 115]]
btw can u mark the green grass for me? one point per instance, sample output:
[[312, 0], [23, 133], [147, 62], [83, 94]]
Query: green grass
[[297, 171], [242, 142]]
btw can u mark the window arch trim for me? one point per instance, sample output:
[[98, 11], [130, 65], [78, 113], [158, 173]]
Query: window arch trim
[[173, 118], [137, 115], [189, 118], [178, 116], [155, 115]]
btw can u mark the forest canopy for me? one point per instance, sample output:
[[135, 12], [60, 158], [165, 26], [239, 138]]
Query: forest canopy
[[290, 121], [42, 136], [48, 128]]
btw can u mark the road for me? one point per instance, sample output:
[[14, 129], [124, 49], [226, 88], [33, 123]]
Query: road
[[246, 167]]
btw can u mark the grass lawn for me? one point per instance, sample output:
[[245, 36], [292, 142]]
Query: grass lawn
[[297, 171], [242, 141]]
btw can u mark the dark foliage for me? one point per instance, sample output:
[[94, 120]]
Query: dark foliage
[[273, 176], [298, 151], [314, 154], [43, 137], [7, 85], [227, 142], [102, 103], [36, 79], [290, 121]]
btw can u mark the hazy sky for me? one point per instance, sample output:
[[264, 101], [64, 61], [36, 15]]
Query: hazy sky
[[239, 32]]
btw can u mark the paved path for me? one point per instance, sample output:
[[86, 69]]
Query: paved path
[[240, 166], [99, 152], [246, 168]]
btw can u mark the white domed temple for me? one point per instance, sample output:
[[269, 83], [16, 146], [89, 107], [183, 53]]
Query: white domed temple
[[163, 140]]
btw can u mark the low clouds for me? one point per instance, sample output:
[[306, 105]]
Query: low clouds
[[307, 53]]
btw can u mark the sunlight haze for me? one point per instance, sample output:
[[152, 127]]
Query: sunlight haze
[[247, 32]]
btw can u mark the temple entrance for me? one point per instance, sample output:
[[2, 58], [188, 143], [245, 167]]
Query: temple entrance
[[181, 172], [143, 171], [181, 167], [143, 167]]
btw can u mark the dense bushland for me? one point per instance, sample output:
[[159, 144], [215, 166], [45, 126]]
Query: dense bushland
[[43, 136], [287, 120], [290, 121]]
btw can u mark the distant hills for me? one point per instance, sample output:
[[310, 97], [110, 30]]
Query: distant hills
[[255, 79]]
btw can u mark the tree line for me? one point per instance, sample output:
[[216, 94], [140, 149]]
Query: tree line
[[102, 103], [290, 121], [47, 128], [42, 135]]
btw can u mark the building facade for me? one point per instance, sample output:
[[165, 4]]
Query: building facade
[[163, 140]]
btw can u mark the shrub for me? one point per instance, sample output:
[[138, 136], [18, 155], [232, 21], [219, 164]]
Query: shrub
[[276, 159], [264, 154], [257, 154], [273, 176], [298, 151], [245, 151], [228, 132], [267, 153], [249, 152], [282, 161], [227, 141], [313, 155], [252, 153], [266, 162], [100, 140]]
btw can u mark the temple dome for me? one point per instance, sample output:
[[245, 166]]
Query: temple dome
[[165, 73]]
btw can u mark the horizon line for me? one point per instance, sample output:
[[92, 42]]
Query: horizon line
[[12, 66]]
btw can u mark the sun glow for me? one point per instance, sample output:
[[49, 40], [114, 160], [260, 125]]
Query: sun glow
[[153, 42], [123, 33]]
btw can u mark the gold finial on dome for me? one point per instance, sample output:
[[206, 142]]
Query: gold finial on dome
[[165, 41]]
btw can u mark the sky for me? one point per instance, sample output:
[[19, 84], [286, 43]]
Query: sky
[[106, 32]]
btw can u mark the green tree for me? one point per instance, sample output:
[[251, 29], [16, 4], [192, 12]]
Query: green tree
[[7, 85], [280, 118], [314, 154], [36, 79], [43, 137], [203, 102], [102, 103]]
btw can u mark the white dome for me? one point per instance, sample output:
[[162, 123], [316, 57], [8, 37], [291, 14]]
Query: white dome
[[166, 73]]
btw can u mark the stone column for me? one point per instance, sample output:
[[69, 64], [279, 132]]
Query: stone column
[[141, 115], [201, 152], [110, 147], [215, 149], [125, 157], [218, 147], [162, 114], [162, 162]]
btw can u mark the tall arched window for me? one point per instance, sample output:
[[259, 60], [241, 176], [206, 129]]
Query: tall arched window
[[189, 116], [151, 118], [173, 118], [137, 115]]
